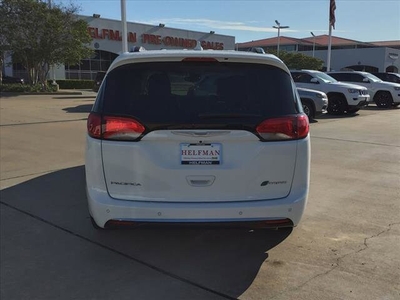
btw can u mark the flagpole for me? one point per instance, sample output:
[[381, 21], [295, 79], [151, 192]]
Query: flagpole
[[124, 27], [328, 63], [332, 20]]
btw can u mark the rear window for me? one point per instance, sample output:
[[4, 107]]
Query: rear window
[[198, 94]]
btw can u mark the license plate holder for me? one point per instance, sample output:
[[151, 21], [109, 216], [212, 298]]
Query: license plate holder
[[201, 154]]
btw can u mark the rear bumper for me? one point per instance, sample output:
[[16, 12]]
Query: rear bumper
[[257, 224], [103, 208]]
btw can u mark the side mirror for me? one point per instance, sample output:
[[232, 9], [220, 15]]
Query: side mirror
[[366, 80], [314, 80]]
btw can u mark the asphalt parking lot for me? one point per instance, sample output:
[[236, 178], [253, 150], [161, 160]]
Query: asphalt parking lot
[[346, 247]]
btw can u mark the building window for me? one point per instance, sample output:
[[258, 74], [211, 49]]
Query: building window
[[287, 48], [88, 68], [20, 71], [392, 69]]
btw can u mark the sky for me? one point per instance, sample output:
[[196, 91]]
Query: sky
[[366, 21]]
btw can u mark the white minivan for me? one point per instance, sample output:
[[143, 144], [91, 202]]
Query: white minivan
[[160, 151]]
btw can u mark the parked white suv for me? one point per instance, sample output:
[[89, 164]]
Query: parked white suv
[[342, 97], [158, 152], [385, 94]]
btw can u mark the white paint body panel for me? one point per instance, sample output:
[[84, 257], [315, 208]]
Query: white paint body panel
[[103, 207], [151, 169], [338, 87]]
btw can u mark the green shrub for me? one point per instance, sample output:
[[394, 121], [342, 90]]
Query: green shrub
[[68, 84], [25, 88], [298, 61]]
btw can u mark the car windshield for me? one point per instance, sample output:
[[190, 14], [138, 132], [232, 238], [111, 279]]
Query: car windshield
[[198, 94], [324, 77], [372, 78]]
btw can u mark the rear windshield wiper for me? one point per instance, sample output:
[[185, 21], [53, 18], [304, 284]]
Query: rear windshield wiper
[[227, 116]]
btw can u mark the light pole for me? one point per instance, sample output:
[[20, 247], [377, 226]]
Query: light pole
[[52, 71], [279, 27], [124, 27], [313, 46]]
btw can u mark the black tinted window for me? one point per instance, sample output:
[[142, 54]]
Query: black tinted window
[[393, 78], [341, 76], [382, 76], [198, 94], [301, 77], [357, 77]]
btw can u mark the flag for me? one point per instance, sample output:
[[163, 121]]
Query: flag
[[332, 9]]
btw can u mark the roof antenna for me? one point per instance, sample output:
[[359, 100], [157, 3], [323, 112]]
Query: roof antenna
[[198, 46]]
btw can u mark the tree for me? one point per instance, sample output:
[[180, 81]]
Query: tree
[[39, 36], [3, 48], [296, 60], [1, 64]]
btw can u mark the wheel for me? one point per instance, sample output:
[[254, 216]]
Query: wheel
[[396, 104], [308, 110], [353, 110], [383, 99], [95, 226], [336, 105]]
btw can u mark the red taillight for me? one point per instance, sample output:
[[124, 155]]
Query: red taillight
[[200, 59], [118, 128], [94, 125], [114, 128], [284, 128]]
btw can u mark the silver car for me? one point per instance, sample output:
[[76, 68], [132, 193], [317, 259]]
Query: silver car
[[314, 102]]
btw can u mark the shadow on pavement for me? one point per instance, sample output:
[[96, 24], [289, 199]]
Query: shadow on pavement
[[9, 95], [74, 97], [84, 108], [344, 116], [380, 109], [223, 260]]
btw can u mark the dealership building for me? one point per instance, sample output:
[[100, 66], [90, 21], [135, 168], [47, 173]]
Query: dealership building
[[382, 56], [107, 45]]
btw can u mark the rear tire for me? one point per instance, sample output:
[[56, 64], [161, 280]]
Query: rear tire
[[383, 99], [336, 105], [308, 110]]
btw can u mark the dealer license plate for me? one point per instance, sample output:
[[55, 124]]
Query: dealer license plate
[[201, 154]]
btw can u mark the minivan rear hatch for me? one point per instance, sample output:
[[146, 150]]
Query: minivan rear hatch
[[198, 131]]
